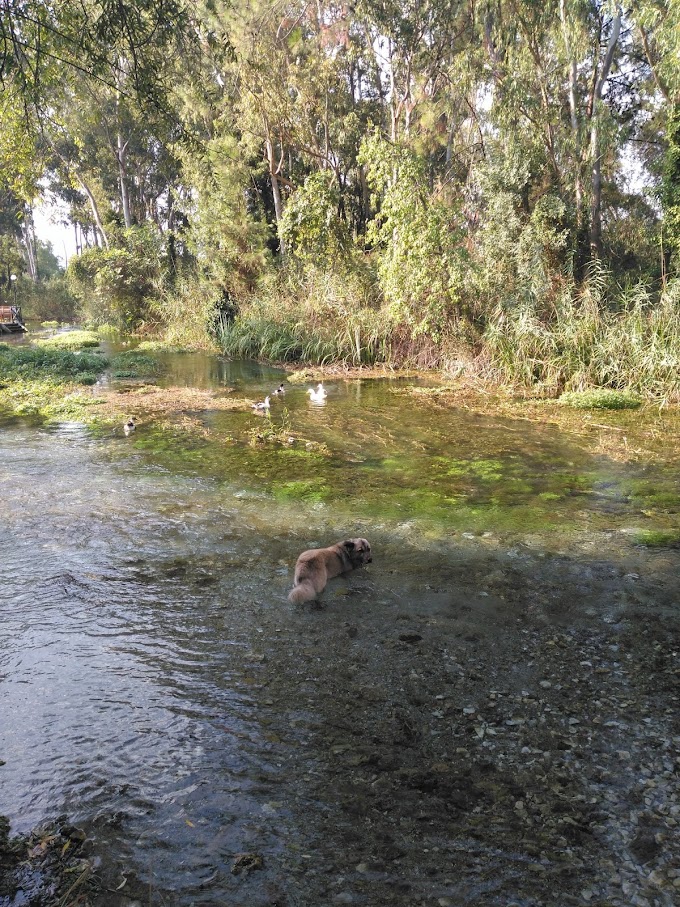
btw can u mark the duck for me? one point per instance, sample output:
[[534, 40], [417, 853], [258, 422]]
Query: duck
[[129, 426], [317, 396], [263, 405], [280, 391]]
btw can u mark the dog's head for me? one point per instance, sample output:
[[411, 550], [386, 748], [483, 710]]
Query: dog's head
[[358, 552]]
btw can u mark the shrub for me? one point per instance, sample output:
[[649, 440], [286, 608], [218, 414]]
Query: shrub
[[114, 286], [48, 301], [318, 318], [592, 337], [419, 241]]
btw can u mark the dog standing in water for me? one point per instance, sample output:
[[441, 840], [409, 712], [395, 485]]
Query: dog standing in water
[[315, 567]]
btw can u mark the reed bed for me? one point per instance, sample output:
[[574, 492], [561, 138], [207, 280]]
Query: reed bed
[[589, 339], [323, 318]]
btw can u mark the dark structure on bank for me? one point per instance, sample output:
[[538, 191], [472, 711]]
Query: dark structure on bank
[[11, 321]]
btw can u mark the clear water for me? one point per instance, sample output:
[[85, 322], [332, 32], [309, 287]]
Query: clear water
[[143, 586]]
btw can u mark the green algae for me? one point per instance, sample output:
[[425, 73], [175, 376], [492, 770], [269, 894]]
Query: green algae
[[657, 538], [312, 491], [480, 470], [373, 456]]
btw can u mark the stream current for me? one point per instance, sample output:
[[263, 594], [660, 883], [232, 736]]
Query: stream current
[[158, 690]]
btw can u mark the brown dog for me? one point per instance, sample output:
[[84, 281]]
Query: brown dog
[[315, 567]]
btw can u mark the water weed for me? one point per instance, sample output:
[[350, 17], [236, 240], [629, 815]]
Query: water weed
[[657, 538], [71, 340], [26, 362], [134, 364], [601, 398]]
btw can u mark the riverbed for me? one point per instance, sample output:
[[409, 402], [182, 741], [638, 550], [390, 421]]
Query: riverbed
[[486, 715]]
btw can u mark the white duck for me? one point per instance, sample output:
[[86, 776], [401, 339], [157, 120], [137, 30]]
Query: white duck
[[263, 405], [319, 395], [129, 426], [280, 391]]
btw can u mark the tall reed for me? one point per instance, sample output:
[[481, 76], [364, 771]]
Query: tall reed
[[591, 337], [320, 319]]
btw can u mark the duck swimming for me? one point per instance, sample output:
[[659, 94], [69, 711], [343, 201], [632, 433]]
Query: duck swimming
[[280, 391], [317, 396], [129, 426], [264, 405]]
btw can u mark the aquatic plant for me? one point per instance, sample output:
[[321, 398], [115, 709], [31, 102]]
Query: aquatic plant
[[35, 362], [134, 364], [657, 538], [601, 398], [71, 340]]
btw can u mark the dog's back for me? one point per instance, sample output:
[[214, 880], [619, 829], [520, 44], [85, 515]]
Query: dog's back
[[315, 567]]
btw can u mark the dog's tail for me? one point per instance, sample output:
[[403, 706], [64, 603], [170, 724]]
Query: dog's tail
[[303, 592]]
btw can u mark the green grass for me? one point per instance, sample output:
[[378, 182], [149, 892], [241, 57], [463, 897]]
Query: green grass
[[316, 318], [71, 340], [658, 538], [591, 336], [134, 364], [43, 362], [601, 398]]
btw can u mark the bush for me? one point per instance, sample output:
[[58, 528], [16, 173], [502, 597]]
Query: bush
[[311, 229], [47, 300], [592, 337], [418, 239], [116, 285], [317, 318]]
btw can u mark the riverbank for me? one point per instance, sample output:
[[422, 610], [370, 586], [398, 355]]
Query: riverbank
[[52, 865]]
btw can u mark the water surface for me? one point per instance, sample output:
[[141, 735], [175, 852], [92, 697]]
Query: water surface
[[143, 602]]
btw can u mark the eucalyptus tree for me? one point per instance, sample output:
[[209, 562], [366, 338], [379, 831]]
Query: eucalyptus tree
[[110, 60], [658, 27]]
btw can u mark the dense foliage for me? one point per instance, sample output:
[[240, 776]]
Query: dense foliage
[[450, 183]]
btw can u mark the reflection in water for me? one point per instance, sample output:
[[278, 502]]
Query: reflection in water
[[140, 577]]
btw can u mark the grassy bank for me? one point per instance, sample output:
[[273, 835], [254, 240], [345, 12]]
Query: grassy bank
[[53, 380], [581, 337], [47, 381]]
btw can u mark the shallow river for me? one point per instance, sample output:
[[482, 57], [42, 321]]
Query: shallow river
[[160, 692]]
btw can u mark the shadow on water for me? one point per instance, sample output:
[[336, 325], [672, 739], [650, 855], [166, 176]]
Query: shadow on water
[[221, 746]]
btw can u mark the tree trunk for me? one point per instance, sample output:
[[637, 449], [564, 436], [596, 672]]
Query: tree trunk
[[595, 150], [95, 211], [121, 155], [276, 192], [575, 131], [28, 236]]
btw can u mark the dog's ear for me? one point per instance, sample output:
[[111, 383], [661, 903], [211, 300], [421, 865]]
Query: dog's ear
[[349, 545]]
